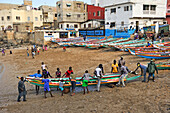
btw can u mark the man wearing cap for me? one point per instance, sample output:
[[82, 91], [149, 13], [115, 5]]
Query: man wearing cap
[[151, 70], [143, 70]]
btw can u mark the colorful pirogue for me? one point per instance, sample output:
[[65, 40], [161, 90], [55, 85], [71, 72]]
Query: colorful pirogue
[[106, 79], [155, 55], [163, 65]]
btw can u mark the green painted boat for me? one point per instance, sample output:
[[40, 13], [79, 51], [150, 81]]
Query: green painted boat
[[106, 79]]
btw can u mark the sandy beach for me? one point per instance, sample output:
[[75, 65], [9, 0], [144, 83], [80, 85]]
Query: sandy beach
[[136, 97]]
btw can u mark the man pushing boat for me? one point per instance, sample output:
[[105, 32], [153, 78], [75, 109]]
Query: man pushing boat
[[143, 70]]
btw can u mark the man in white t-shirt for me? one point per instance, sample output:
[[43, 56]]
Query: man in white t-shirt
[[43, 66], [98, 73]]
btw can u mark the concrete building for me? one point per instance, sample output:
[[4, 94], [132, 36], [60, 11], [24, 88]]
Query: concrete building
[[30, 17], [168, 12], [49, 15], [70, 14], [126, 14], [95, 17]]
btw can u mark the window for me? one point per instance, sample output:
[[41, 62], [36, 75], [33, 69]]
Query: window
[[130, 7], [67, 25], [153, 7], [112, 24], [36, 18], [98, 13], [89, 25], [55, 15], [2, 18], [145, 7], [68, 4], [164, 23], [126, 8], [68, 15], [98, 4], [132, 23], [75, 26], [122, 23], [28, 18], [119, 7], [107, 23], [41, 17], [78, 5], [59, 5], [59, 15], [17, 17], [84, 25], [61, 26], [8, 18], [154, 22], [113, 10], [94, 14], [78, 16]]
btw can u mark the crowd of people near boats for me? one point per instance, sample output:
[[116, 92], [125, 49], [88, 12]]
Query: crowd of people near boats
[[119, 67]]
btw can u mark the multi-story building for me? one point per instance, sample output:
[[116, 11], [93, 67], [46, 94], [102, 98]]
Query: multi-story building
[[70, 14], [95, 17], [125, 14], [168, 12], [11, 17], [49, 15], [20, 17]]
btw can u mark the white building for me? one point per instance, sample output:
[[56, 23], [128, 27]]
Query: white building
[[121, 14]]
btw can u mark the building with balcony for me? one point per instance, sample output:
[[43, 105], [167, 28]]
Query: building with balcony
[[70, 14], [134, 14], [49, 16]]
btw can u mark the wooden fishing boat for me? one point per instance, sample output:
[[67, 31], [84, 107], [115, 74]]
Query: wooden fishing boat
[[106, 79], [163, 65], [151, 56]]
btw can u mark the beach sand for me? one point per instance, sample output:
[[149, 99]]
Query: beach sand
[[136, 97]]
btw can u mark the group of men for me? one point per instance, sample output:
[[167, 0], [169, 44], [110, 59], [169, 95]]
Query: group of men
[[99, 72]]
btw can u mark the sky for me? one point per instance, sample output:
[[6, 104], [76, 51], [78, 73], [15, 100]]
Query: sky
[[37, 3]]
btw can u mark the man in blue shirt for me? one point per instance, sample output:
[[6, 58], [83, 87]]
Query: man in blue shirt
[[46, 86], [37, 75], [143, 70]]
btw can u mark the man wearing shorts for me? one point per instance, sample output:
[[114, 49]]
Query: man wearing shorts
[[86, 78], [46, 86]]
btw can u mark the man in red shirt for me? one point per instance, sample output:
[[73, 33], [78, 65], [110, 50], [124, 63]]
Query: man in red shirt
[[68, 72]]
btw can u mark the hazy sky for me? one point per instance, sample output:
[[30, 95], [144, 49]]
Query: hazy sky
[[37, 3]]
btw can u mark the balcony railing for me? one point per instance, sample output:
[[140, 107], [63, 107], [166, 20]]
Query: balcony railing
[[149, 12]]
